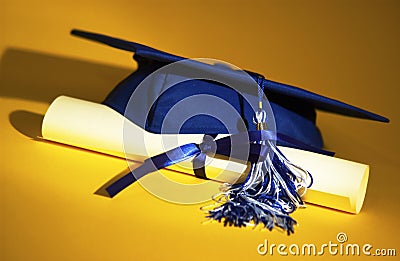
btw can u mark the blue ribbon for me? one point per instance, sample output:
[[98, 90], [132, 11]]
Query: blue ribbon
[[251, 141]]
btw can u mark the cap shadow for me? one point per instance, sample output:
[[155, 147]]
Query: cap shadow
[[37, 76]]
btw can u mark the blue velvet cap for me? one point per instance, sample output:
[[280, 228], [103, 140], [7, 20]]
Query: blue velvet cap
[[294, 108]]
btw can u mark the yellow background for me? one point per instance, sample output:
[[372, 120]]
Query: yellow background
[[347, 50]]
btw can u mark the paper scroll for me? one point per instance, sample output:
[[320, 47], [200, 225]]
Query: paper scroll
[[338, 183]]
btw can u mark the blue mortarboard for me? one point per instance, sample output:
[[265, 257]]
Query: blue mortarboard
[[294, 108], [270, 192]]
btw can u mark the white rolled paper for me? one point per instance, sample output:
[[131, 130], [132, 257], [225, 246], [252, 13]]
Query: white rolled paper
[[338, 183]]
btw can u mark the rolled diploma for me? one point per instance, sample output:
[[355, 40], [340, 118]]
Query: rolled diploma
[[338, 183]]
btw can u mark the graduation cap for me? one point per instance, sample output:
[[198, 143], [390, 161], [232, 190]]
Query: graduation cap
[[270, 192], [294, 108]]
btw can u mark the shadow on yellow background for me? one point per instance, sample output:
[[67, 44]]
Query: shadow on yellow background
[[42, 77], [27, 123]]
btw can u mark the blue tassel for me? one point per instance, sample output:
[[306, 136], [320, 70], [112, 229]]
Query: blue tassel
[[270, 193]]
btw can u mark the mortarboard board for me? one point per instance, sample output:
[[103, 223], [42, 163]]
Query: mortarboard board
[[294, 109]]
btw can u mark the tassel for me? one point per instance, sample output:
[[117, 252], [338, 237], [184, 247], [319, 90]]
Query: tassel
[[270, 193]]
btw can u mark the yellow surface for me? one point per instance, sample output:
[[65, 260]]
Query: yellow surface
[[343, 49]]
